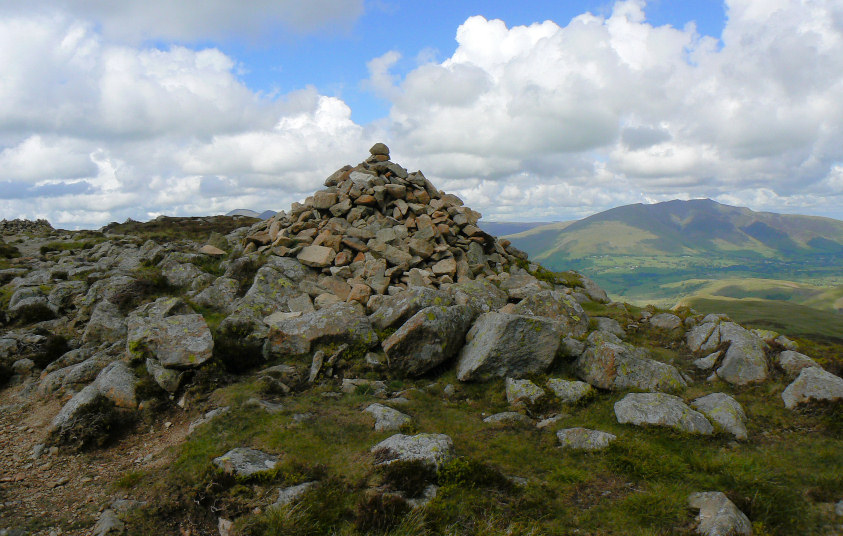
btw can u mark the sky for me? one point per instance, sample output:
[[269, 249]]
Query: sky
[[529, 111]]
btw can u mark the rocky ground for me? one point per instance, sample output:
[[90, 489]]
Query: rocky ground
[[371, 362]]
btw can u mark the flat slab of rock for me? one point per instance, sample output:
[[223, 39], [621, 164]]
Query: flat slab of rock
[[316, 256], [610, 325], [244, 462], [341, 322], [507, 345], [792, 362], [558, 306], [292, 493], [666, 321], [569, 392], [386, 418], [612, 366], [433, 449], [398, 308], [718, 515], [520, 392], [813, 383], [508, 417], [723, 410], [659, 409], [584, 439], [428, 339]]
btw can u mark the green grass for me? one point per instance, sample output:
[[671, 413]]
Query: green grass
[[167, 229]]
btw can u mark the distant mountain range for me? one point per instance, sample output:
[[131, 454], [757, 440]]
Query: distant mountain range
[[265, 215]]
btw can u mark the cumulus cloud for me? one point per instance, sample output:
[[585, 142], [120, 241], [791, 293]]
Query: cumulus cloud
[[192, 20]]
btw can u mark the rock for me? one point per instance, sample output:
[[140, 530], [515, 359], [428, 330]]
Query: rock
[[244, 462], [445, 267], [386, 418], [207, 417], [108, 523], [698, 335], [107, 324], [745, 360], [572, 347], [479, 294], [341, 322], [813, 383], [432, 449], [398, 308], [509, 418], [117, 383], [793, 362], [429, 338], [661, 410], [520, 392], [506, 345], [379, 149], [708, 362], [584, 439], [557, 306], [23, 366], [167, 378], [551, 421], [724, 411], [180, 341], [373, 387], [594, 292], [220, 294], [666, 321], [324, 200], [69, 417], [609, 325], [316, 256], [180, 274], [569, 392], [620, 366], [211, 251], [291, 494], [520, 286], [718, 515]]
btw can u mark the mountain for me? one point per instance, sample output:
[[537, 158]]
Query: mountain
[[635, 250], [265, 215], [502, 228]]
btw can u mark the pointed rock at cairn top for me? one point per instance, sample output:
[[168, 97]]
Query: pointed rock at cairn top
[[379, 149]]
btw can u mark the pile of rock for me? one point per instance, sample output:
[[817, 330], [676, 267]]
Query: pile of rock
[[376, 225], [17, 226]]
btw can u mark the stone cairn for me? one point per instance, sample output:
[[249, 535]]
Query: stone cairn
[[378, 226], [17, 226]]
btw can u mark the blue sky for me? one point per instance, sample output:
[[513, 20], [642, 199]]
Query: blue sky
[[536, 111]]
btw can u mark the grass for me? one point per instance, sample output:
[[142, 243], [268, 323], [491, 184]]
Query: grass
[[78, 245], [167, 229]]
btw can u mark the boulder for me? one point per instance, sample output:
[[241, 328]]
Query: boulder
[[429, 338], [557, 306], [167, 378], [508, 345], [431, 449], [396, 309], [107, 324], [659, 409], [723, 410], [745, 361], [316, 256], [340, 323], [386, 418], [792, 362], [609, 325], [813, 383], [181, 274], [584, 439], [509, 418], [291, 494], [117, 383], [219, 295], [666, 321], [569, 392], [718, 515], [699, 335], [244, 462], [479, 294], [520, 392], [180, 341], [614, 366]]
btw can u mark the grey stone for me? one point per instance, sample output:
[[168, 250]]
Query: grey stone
[[725, 411], [108, 523], [621, 366], [521, 285], [180, 341], [375, 387], [718, 515], [558, 306], [569, 392], [167, 378], [429, 338], [745, 360], [572, 347], [181, 274], [117, 383], [341, 322], [813, 383], [509, 418], [291, 494], [659, 409], [219, 295], [666, 321], [316, 256], [698, 335], [245, 462], [78, 404], [208, 416], [479, 294], [432, 449], [107, 324], [386, 418], [793, 362], [398, 308], [506, 345], [708, 362], [594, 292], [584, 439], [520, 392], [609, 325]]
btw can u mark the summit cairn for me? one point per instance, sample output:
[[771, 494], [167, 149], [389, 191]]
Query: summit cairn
[[380, 227]]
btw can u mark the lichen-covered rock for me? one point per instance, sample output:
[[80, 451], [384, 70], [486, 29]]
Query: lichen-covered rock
[[569, 392], [793, 362], [584, 439], [508, 418], [479, 294], [520, 392], [219, 295], [593, 290], [271, 291], [387, 419], [558, 306], [745, 360], [666, 321], [107, 324], [180, 341], [432, 449], [244, 462], [659, 409], [167, 378], [698, 335], [398, 308], [341, 322], [607, 365], [609, 325], [718, 515], [507, 345], [117, 383], [723, 410], [429, 338], [813, 383], [181, 274]]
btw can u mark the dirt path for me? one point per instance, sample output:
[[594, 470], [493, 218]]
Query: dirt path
[[63, 493]]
